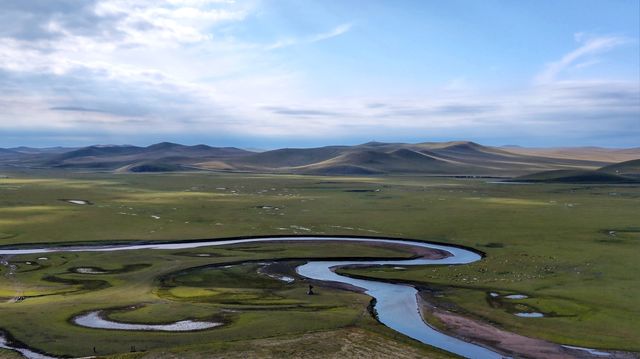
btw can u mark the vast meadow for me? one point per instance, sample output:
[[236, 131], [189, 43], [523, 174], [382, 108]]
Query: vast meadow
[[570, 249]]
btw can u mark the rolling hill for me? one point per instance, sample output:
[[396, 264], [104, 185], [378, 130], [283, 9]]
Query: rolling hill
[[368, 161], [457, 158], [626, 168], [611, 155], [572, 176], [623, 172], [289, 157], [8, 152], [165, 155], [432, 158]]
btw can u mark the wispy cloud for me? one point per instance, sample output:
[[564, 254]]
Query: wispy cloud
[[76, 109], [164, 68], [301, 112], [337, 31], [590, 45]]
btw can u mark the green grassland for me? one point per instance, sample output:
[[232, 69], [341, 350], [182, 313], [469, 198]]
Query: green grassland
[[571, 248], [164, 287]]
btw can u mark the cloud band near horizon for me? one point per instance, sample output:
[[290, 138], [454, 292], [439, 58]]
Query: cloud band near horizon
[[81, 72]]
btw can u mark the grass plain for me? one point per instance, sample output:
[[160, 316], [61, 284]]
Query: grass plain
[[571, 248]]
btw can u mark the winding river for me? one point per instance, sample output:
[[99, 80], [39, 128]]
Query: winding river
[[397, 305]]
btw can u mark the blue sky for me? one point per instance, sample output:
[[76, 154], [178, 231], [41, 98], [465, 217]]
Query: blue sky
[[280, 73]]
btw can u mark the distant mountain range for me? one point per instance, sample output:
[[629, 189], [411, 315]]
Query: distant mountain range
[[460, 158], [160, 157]]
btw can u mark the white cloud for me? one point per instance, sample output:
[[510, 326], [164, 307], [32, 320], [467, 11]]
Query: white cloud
[[337, 31], [166, 68], [585, 64], [589, 46]]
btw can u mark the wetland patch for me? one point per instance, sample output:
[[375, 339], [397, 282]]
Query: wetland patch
[[99, 270], [99, 320]]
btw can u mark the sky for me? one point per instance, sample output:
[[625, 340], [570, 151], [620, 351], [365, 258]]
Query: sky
[[301, 73]]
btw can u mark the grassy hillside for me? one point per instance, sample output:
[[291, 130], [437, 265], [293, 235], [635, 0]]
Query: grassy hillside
[[442, 158], [395, 161], [567, 176], [624, 172], [627, 168], [163, 156], [434, 158], [610, 155], [289, 157]]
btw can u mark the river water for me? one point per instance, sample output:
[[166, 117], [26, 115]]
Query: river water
[[396, 304]]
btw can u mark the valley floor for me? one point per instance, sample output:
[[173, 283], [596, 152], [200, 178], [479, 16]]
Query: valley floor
[[566, 251]]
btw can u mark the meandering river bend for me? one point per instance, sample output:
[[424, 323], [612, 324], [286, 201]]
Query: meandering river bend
[[397, 305]]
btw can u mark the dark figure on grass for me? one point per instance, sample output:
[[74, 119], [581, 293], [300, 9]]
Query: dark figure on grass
[[310, 291]]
